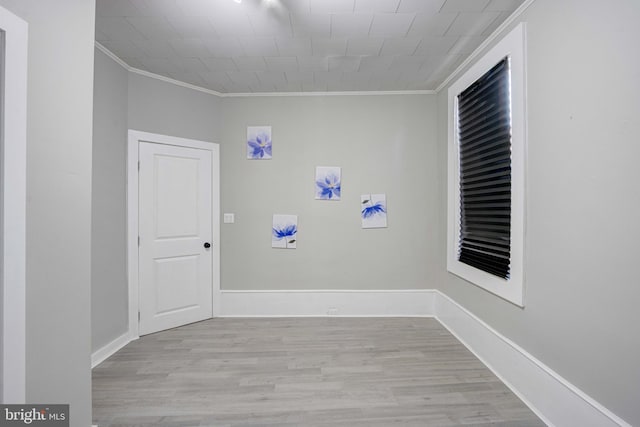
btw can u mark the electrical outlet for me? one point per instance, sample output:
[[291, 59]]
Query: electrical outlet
[[332, 311], [229, 218]]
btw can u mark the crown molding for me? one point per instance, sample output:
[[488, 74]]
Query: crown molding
[[113, 56], [334, 93], [498, 31], [176, 82]]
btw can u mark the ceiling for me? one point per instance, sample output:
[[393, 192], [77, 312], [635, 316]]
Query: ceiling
[[299, 45]]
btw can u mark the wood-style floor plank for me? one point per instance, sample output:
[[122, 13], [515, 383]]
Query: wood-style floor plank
[[320, 372]]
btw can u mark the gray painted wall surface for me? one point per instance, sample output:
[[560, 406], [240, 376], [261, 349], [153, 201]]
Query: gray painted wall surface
[[583, 202], [159, 107], [60, 92], [384, 144], [109, 292]]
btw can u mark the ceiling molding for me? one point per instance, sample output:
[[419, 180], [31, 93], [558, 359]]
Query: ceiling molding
[[515, 15], [176, 82], [113, 56], [337, 93]]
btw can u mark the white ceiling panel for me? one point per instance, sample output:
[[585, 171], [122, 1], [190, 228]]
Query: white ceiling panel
[[244, 78], [344, 63], [407, 63], [216, 79], [417, 6], [250, 63], [155, 49], [350, 24], [391, 24], [118, 29], [224, 47], [464, 5], [311, 25], [154, 7], [282, 63], [220, 64], [328, 47], [267, 24], [195, 65], [430, 46], [292, 45], [364, 46], [259, 46], [193, 27], [299, 77], [331, 6], [464, 45], [502, 6], [189, 48], [271, 78], [233, 25], [295, 6], [428, 24], [376, 6], [313, 63], [375, 64], [153, 27], [120, 8], [399, 46], [471, 23]]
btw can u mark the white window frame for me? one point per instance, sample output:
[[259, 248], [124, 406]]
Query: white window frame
[[13, 206], [512, 45]]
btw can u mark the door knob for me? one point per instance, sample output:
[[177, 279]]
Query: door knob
[[207, 245]]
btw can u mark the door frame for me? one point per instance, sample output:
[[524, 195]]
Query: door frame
[[13, 143], [134, 139]]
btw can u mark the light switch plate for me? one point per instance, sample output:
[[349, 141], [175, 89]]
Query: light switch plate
[[229, 218]]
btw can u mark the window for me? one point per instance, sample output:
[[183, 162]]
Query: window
[[486, 170]]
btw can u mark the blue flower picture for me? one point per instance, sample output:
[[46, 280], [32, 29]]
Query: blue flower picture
[[373, 210], [259, 142], [328, 184], [284, 231]]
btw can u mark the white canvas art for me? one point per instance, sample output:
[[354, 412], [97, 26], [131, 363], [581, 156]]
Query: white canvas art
[[259, 142], [373, 210], [284, 231], [328, 182]]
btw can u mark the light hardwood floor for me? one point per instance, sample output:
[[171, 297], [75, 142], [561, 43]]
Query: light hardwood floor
[[352, 372]]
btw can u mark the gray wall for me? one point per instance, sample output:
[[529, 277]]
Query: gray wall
[[159, 107], [384, 144], [583, 202], [60, 91], [109, 292]]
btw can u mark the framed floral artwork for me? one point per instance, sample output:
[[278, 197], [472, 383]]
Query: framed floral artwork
[[259, 142], [284, 231], [328, 182], [373, 210]]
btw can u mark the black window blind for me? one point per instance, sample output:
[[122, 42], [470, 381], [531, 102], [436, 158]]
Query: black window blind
[[484, 129]]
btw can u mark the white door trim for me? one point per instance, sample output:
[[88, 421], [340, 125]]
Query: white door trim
[[13, 205], [132, 215]]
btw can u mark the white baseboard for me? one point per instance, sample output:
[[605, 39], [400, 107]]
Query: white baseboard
[[103, 353], [555, 400], [352, 303]]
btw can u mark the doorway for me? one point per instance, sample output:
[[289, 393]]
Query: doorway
[[173, 231]]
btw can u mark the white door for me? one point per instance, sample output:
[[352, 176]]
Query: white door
[[175, 256]]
